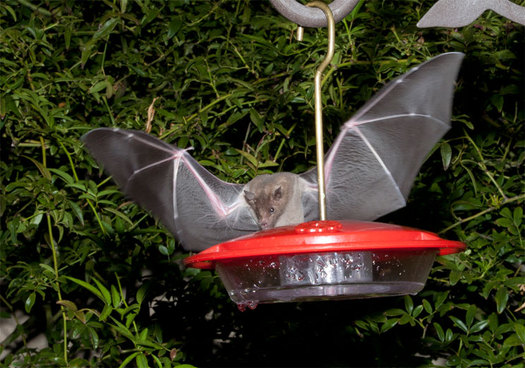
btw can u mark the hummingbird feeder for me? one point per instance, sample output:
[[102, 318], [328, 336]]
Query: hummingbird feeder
[[325, 259]]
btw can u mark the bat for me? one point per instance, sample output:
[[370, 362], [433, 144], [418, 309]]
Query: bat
[[369, 169], [460, 13]]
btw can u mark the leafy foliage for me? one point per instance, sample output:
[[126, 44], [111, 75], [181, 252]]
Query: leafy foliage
[[104, 282]]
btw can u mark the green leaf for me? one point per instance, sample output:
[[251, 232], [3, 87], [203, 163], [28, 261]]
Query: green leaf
[[493, 321], [417, 311], [256, 118], [11, 12], [123, 330], [77, 211], [115, 297], [171, 246], [471, 311], [502, 297], [388, 324], [520, 331], [106, 29], [518, 216], [362, 324], [512, 340], [68, 304], [446, 155], [504, 222], [87, 286], [99, 86], [103, 32], [407, 318], [449, 335], [441, 299], [30, 301], [141, 360], [174, 26], [158, 362], [505, 212], [268, 163], [80, 186], [143, 335], [104, 291], [80, 315], [454, 277], [249, 157], [497, 101], [128, 359], [68, 179], [395, 312], [459, 323], [106, 311], [479, 326], [94, 338], [141, 293], [164, 250], [47, 268], [409, 305], [43, 170], [129, 319], [439, 331], [427, 306]]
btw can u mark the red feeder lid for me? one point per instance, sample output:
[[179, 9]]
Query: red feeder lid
[[324, 236]]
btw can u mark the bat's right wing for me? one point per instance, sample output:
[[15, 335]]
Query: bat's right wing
[[199, 209]]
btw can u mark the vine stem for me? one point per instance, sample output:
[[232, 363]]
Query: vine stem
[[55, 262], [55, 266], [124, 302], [483, 167], [76, 180], [481, 213]]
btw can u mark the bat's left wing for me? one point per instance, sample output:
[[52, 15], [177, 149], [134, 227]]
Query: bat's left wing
[[370, 168], [199, 209]]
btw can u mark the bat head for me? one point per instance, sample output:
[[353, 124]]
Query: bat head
[[270, 196], [267, 205]]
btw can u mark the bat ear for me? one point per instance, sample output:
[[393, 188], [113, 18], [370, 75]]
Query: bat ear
[[250, 196], [277, 194]]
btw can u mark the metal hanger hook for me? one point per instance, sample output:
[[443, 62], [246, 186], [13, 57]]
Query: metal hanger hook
[[331, 33], [319, 104]]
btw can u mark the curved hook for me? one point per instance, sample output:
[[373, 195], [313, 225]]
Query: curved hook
[[319, 104]]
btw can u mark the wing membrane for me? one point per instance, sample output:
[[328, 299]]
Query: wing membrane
[[195, 206], [372, 165]]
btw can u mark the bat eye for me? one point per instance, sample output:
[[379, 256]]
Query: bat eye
[[272, 210]]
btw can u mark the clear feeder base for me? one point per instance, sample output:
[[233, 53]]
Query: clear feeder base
[[325, 276]]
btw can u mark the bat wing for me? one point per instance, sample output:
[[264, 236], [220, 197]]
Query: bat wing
[[371, 166], [460, 13], [199, 209]]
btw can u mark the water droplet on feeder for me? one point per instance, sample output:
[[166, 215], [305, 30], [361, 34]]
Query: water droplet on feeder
[[252, 304]]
